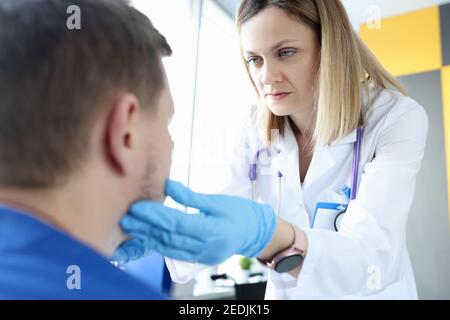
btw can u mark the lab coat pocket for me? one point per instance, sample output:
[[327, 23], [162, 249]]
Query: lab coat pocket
[[328, 212]]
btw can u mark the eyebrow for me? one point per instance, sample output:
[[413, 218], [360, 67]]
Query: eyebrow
[[276, 46]]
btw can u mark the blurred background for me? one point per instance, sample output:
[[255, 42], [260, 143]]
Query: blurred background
[[210, 89]]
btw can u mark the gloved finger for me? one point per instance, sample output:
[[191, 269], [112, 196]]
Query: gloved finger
[[131, 224], [130, 250], [175, 247], [177, 254], [120, 255], [176, 250], [189, 198], [165, 238], [156, 215]]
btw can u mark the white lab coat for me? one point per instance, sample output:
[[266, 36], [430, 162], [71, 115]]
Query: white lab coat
[[368, 257]]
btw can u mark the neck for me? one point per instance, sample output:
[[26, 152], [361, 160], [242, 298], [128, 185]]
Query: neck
[[302, 124], [78, 210]]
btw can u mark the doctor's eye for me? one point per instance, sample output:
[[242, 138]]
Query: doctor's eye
[[286, 52], [254, 61]]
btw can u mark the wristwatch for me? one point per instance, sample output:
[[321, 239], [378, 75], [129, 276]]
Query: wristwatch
[[285, 260]]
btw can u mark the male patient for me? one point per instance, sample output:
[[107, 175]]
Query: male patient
[[83, 134]]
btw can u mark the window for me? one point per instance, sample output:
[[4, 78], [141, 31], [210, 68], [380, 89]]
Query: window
[[210, 91], [175, 19], [223, 94]]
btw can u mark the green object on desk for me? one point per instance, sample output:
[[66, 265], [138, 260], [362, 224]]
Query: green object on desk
[[245, 263]]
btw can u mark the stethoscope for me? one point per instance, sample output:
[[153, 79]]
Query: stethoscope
[[253, 175], [355, 172], [354, 178]]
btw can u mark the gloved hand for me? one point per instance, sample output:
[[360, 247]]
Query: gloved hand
[[225, 226]]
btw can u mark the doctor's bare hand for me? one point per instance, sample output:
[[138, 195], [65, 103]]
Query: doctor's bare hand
[[224, 226]]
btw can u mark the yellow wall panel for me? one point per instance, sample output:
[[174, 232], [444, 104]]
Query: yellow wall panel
[[408, 43], [446, 111]]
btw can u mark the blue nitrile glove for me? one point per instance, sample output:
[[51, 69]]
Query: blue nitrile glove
[[225, 226]]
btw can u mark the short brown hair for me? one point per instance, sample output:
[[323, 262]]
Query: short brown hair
[[54, 81]]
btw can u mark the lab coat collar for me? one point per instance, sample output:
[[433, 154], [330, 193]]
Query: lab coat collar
[[323, 159], [350, 138], [287, 161]]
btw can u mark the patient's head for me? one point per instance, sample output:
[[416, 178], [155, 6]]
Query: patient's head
[[89, 104]]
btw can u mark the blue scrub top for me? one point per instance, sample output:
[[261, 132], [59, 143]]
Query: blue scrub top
[[34, 262]]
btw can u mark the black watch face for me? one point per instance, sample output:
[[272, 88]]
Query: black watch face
[[289, 263]]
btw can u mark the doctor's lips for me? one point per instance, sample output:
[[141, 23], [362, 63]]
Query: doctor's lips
[[277, 96]]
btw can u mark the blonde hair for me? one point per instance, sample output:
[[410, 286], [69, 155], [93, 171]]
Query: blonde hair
[[347, 67]]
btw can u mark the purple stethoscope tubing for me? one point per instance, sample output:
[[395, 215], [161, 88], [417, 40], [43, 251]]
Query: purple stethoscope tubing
[[355, 167], [355, 170], [253, 167], [356, 159], [254, 176]]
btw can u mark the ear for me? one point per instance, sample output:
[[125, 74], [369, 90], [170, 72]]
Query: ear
[[121, 133]]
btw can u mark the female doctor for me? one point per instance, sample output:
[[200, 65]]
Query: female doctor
[[333, 150]]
